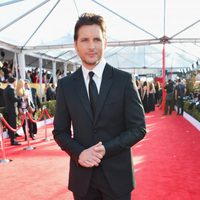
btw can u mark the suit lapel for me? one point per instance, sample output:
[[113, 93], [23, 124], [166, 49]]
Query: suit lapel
[[104, 89], [82, 92]]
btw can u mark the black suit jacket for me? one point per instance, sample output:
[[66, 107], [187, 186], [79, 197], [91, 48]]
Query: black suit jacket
[[119, 124], [36, 100], [2, 103], [11, 100], [50, 94]]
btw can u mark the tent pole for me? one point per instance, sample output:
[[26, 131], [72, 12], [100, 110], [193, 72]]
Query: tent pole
[[54, 73], [163, 60], [163, 78], [65, 69], [40, 79], [22, 65]]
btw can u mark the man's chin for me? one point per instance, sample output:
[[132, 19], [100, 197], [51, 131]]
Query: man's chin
[[91, 64]]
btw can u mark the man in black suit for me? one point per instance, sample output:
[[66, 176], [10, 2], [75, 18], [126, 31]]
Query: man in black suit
[[105, 125], [169, 87], [2, 103], [180, 91], [11, 101], [50, 92]]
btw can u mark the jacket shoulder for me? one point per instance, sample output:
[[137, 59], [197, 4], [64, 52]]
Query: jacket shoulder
[[65, 79], [69, 78], [120, 74]]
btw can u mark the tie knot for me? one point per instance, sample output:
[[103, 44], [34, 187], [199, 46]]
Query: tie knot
[[91, 74]]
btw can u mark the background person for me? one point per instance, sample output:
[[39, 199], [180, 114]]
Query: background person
[[180, 91], [50, 92], [23, 105], [35, 103], [11, 101], [169, 87], [100, 150], [152, 92], [2, 103], [145, 96]]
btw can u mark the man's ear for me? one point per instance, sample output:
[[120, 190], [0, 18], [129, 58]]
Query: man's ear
[[105, 42], [75, 46]]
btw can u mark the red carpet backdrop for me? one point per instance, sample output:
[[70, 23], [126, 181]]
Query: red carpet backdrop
[[167, 165]]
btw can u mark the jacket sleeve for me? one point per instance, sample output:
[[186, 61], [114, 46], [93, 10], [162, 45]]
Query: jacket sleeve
[[134, 118], [13, 97], [62, 126]]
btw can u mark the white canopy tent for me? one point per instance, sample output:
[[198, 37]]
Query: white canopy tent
[[137, 32]]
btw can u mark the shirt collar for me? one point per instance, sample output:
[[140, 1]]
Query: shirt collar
[[11, 85], [98, 69]]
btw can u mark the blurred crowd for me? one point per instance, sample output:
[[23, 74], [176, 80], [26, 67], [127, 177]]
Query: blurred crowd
[[176, 95], [150, 94], [17, 96], [32, 74]]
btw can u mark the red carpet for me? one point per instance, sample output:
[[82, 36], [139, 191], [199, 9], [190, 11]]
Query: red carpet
[[167, 165], [167, 161]]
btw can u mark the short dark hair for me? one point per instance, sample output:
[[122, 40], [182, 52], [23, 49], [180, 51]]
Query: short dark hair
[[26, 81], [89, 19], [11, 80]]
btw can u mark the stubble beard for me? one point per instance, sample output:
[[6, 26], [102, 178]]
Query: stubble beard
[[91, 64]]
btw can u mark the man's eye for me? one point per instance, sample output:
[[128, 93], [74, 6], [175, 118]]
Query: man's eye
[[84, 40], [97, 40]]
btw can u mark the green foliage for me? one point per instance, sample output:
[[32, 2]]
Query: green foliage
[[192, 111], [189, 86], [191, 83], [50, 105]]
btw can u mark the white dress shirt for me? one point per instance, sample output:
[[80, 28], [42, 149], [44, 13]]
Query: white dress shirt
[[98, 72]]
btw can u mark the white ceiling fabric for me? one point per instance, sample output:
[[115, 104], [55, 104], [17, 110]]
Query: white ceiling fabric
[[142, 23]]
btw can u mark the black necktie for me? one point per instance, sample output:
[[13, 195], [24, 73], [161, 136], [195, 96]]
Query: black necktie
[[93, 93]]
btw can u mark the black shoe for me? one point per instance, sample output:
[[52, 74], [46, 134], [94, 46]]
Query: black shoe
[[17, 135], [33, 137], [15, 143]]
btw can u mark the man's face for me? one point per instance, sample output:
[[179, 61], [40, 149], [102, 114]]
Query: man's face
[[26, 85], [90, 45]]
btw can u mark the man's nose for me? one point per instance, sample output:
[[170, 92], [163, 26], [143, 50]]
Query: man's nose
[[91, 45]]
